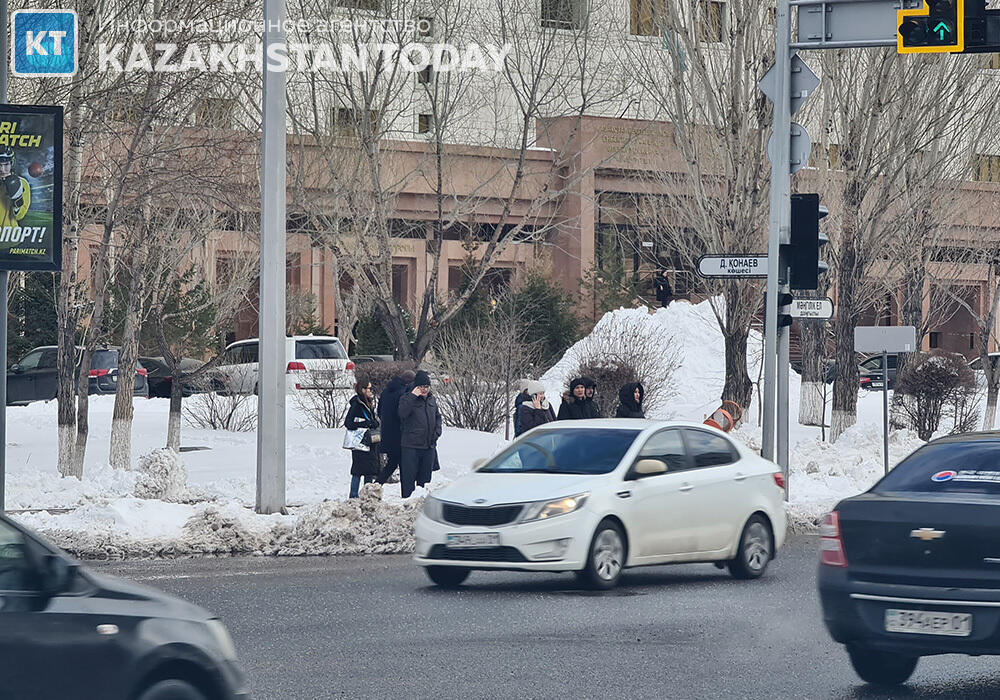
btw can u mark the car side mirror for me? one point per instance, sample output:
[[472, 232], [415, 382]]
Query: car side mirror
[[15, 369], [58, 575], [648, 467], [478, 463]]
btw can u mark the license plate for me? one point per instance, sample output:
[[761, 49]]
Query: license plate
[[471, 540], [929, 622]]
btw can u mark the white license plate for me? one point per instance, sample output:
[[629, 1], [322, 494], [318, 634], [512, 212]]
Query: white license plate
[[471, 540], [929, 622]]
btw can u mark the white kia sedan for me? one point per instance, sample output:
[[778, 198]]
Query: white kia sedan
[[598, 496]]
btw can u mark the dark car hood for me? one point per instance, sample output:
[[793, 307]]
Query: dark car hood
[[113, 588]]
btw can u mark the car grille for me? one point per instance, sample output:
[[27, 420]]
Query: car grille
[[487, 516], [501, 554]]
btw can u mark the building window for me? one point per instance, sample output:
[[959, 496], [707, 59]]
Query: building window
[[425, 77], [345, 121], [562, 14], [986, 168], [711, 21], [425, 123], [400, 284], [214, 113], [935, 339], [370, 5], [832, 156], [648, 17]]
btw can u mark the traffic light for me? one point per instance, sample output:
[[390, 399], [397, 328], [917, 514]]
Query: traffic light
[[937, 27], [805, 240], [784, 312]]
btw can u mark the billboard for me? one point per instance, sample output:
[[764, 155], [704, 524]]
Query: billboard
[[31, 153]]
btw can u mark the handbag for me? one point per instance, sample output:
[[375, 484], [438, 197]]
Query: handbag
[[354, 440], [373, 436]]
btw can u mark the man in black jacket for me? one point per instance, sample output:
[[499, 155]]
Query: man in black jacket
[[421, 428], [388, 413]]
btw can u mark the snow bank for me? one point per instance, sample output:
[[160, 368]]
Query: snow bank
[[162, 475]]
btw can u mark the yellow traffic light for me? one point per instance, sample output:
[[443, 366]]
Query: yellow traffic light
[[937, 27]]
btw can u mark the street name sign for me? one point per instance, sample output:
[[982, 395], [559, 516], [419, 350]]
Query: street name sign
[[744, 266], [812, 309]]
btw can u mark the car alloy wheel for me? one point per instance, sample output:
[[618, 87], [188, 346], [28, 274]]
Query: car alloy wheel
[[754, 551], [608, 554]]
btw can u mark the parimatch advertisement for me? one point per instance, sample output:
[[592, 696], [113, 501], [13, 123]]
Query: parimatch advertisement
[[31, 152]]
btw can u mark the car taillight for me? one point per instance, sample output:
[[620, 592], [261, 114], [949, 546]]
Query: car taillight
[[779, 479], [143, 372], [350, 365], [866, 380], [296, 366], [97, 373], [831, 545]]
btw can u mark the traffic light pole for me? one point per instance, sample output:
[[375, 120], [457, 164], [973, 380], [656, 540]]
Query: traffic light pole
[[781, 185]]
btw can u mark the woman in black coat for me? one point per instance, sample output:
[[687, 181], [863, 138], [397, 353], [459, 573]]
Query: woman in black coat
[[362, 414], [630, 399], [576, 405], [536, 410]]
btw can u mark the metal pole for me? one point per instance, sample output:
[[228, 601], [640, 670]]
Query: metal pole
[[782, 398], [780, 212], [271, 381], [885, 411], [4, 279]]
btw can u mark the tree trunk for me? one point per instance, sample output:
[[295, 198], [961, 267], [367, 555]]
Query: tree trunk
[[174, 418], [738, 386], [845, 385], [989, 417], [121, 420], [812, 407]]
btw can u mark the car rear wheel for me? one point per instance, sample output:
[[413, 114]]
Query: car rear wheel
[[606, 558], [172, 690], [447, 576], [882, 667], [755, 550]]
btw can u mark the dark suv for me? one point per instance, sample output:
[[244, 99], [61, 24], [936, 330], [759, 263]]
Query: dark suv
[[68, 633], [36, 378]]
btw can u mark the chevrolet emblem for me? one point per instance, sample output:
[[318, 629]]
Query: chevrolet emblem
[[927, 534]]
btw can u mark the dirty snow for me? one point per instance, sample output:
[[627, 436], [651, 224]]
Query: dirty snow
[[204, 497]]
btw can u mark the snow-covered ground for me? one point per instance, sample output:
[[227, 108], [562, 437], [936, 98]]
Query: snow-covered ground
[[100, 515]]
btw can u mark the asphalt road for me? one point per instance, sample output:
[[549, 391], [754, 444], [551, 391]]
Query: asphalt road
[[373, 627]]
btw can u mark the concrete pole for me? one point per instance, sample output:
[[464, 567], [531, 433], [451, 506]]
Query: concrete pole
[[4, 279], [780, 213], [271, 381]]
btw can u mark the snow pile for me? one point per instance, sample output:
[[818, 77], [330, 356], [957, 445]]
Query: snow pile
[[162, 475]]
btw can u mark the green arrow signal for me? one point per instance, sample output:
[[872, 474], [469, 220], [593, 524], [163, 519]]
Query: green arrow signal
[[941, 29]]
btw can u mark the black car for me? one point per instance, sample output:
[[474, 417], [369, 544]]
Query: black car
[[66, 632], [36, 378], [871, 372], [161, 381], [911, 567]]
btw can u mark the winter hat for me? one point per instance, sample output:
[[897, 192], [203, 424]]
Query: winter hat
[[421, 378], [408, 376], [522, 384], [575, 383], [589, 382], [534, 388]]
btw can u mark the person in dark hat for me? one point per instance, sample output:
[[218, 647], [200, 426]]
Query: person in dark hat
[[388, 413], [421, 424], [575, 403]]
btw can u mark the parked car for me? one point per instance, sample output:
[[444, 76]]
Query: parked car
[[911, 567], [67, 632], [312, 362], [369, 359], [871, 372], [161, 381], [976, 365], [598, 496], [36, 378]]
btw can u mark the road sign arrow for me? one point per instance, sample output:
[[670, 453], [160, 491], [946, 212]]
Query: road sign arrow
[[941, 29]]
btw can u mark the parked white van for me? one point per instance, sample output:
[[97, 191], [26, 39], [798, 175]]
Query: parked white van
[[312, 362]]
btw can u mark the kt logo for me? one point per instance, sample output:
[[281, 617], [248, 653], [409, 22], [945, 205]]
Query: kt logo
[[44, 43]]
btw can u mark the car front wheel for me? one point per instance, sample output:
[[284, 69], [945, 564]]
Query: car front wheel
[[606, 558], [447, 576], [755, 550], [172, 690], [882, 667]]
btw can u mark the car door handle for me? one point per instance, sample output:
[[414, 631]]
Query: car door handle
[[740, 476], [686, 487], [624, 494]]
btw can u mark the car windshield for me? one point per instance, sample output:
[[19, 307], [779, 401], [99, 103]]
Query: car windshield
[[319, 350], [947, 467], [570, 451]]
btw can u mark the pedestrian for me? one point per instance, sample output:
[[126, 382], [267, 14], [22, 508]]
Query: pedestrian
[[630, 399], [575, 404], [664, 292], [591, 393], [536, 410], [421, 427], [521, 397], [388, 413], [362, 415]]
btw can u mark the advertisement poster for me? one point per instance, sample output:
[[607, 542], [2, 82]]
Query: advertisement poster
[[31, 145]]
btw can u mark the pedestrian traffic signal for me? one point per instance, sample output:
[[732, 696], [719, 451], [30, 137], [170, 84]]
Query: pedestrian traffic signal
[[937, 27], [805, 240]]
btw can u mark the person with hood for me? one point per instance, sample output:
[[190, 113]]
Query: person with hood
[[523, 396], [575, 404], [630, 399], [536, 410], [421, 428], [361, 414], [388, 413], [591, 389]]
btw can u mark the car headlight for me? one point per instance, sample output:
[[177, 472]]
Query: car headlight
[[543, 510], [221, 636], [434, 509]]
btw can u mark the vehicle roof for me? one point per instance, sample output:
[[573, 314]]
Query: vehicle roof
[[245, 341], [623, 424], [984, 436]]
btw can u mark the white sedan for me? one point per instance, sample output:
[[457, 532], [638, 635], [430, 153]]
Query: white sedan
[[598, 496]]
